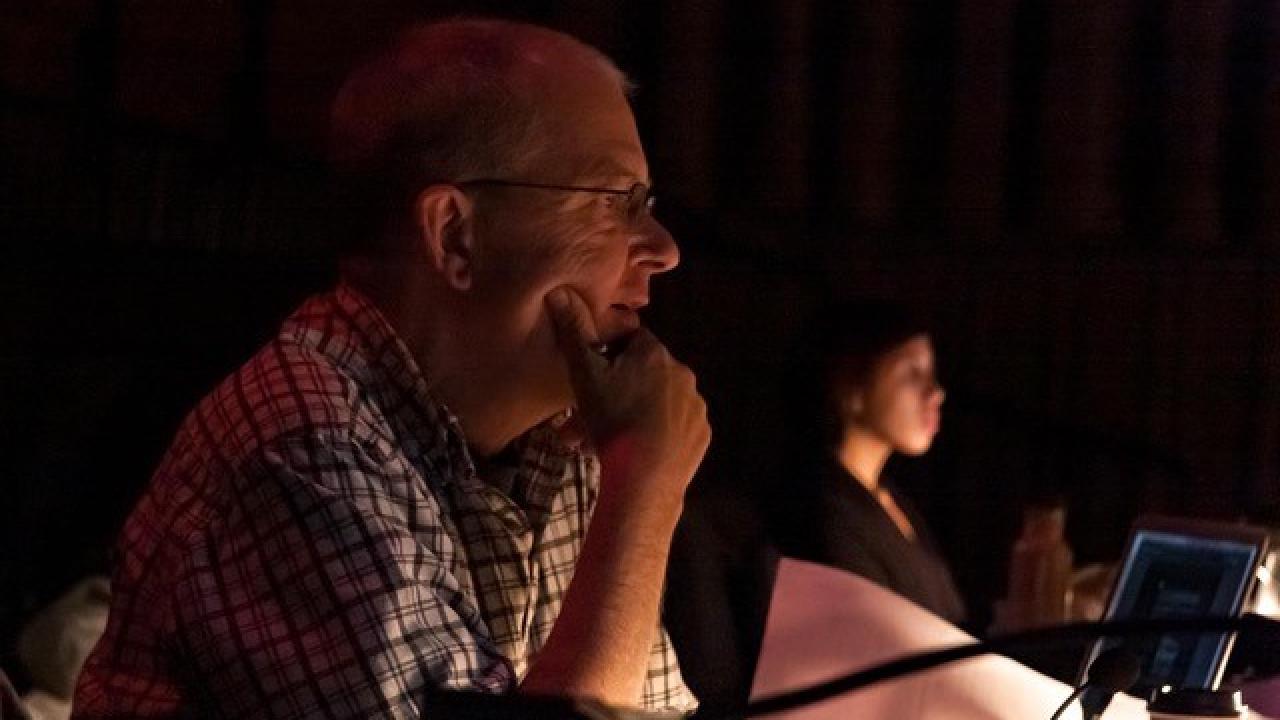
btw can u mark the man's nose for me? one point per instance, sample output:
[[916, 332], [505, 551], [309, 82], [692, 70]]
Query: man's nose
[[656, 250]]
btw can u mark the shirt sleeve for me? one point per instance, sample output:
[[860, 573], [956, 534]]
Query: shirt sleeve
[[664, 688], [324, 592]]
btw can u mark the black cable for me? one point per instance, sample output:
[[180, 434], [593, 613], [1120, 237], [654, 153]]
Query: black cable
[[1077, 692], [1113, 671], [925, 661]]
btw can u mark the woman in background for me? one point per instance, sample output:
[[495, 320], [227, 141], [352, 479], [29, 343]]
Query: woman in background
[[862, 387], [871, 391]]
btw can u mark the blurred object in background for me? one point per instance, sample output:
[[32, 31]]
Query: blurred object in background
[[1267, 600], [54, 644], [1039, 572], [11, 705], [1257, 666], [1090, 586]]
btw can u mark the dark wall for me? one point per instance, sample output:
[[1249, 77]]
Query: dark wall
[[1081, 195]]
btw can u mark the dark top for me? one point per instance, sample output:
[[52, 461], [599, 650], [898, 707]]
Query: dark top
[[719, 580], [836, 521], [724, 559]]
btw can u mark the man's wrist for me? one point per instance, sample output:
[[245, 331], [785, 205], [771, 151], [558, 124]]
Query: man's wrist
[[639, 489], [650, 514]]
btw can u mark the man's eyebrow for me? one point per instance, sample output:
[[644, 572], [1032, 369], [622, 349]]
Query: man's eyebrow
[[609, 168]]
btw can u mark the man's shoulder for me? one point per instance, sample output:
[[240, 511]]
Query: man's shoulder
[[287, 390], [289, 407]]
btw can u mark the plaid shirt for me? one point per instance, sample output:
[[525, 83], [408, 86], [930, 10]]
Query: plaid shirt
[[317, 542]]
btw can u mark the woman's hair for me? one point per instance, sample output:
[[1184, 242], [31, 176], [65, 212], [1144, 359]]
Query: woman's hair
[[837, 351]]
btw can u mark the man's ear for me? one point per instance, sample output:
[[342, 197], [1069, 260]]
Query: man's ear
[[446, 232]]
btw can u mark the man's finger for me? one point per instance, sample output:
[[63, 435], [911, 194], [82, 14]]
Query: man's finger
[[643, 340], [575, 331]]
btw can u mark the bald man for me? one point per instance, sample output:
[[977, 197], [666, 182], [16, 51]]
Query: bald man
[[394, 495]]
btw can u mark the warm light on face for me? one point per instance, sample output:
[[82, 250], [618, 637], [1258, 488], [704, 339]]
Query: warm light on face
[[576, 219], [902, 400]]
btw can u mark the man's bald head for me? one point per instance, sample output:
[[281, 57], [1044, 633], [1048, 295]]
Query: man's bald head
[[454, 100]]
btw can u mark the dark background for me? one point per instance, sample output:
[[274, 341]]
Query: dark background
[[1080, 194]]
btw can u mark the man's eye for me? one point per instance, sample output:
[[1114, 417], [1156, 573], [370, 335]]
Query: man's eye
[[615, 203]]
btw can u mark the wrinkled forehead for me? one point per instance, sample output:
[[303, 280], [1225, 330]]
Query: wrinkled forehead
[[519, 78], [590, 132]]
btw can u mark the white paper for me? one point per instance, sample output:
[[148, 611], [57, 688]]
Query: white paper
[[824, 623]]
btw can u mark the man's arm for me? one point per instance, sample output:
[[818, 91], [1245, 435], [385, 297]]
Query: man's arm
[[317, 594], [643, 413]]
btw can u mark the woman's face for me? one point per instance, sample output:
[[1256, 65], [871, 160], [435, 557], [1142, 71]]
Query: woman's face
[[901, 401]]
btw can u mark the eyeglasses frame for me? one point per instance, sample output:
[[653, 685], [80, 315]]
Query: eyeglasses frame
[[635, 213]]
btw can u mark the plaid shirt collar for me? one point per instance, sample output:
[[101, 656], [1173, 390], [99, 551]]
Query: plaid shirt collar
[[349, 329]]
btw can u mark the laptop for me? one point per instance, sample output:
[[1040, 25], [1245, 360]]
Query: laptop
[[1177, 568]]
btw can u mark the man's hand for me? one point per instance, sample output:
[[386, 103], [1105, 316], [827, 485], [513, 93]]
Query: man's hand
[[641, 409], [649, 425]]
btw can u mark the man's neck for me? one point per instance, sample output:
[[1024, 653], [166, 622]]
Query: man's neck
[[491, 418], [487, 399]]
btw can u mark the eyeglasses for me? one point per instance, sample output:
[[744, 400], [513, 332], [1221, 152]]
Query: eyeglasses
[[635, 203]]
